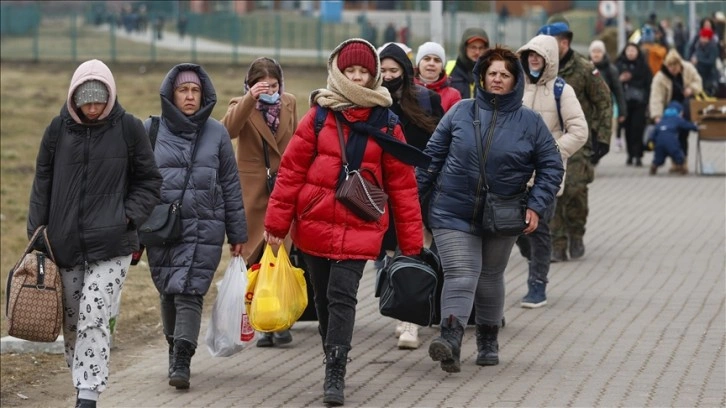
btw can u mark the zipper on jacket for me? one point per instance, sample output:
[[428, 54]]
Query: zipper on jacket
[[81, 196]]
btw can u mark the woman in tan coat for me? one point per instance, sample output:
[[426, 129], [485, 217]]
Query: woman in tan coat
[[677, 80], [263, 121]]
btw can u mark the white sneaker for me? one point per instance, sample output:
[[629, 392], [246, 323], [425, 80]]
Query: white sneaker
[[409, 336], [399, 329]]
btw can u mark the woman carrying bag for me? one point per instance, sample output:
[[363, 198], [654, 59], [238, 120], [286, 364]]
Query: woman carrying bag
[[263, 122], [195, 156], [336, 242]]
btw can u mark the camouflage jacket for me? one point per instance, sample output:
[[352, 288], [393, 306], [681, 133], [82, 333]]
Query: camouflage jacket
[[594, 96]]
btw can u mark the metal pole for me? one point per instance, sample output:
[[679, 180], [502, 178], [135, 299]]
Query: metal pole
[[621, 25], [436, 13], [692, 20]]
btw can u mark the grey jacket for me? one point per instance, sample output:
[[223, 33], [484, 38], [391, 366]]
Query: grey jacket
[[212, 203]]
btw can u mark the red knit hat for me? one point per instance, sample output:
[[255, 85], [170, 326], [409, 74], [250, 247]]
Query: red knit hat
[[706, 32], [357, 53]]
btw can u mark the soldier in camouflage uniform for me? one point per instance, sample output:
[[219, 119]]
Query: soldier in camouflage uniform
[[594, 96]]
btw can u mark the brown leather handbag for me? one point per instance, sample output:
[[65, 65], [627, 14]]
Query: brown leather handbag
[[34, 293], [364, 198]]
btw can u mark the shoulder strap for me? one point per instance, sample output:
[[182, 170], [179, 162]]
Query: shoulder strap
[[128, 136], [483, 153], [56, 128], [154, 130], [392, 121], [559, 87], [320, 115]]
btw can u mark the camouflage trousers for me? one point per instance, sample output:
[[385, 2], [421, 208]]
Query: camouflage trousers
[[571, 211]]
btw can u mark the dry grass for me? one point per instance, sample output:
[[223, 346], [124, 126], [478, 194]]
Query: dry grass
[[30, 96]]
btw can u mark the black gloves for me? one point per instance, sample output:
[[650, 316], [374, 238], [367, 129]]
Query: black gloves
[[599, 150]]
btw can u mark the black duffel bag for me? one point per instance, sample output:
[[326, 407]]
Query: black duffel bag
[[409, 288]]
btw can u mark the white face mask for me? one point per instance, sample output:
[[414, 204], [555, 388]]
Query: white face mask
[[270, 99], [535, 74]]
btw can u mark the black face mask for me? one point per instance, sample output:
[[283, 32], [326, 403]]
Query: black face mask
[[393, 85]]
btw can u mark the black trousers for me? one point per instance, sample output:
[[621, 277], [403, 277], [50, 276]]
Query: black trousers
[[335, 285]]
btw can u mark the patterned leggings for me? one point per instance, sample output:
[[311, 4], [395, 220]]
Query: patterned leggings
[[89, 297]]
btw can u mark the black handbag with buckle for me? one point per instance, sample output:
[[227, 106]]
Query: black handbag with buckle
[[502, 215]]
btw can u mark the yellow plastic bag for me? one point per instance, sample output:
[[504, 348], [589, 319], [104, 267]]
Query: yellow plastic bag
[[276, 292]]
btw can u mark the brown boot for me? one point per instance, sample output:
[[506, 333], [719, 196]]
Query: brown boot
[[653, 170], [684, 168]]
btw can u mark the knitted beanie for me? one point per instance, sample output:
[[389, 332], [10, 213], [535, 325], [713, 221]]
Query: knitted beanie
[[185, 77], [430, 48], [93, 91], [597, 45], [356, 53]]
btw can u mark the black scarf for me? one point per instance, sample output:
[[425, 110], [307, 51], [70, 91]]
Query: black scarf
[[677, 81], [358, 140], [565, 58]]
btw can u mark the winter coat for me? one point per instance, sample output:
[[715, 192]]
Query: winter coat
[[540, 97], [521, 144], [449, 95], [594, 96], [87, 190], [661, 89], [304, 202], [461, 77], [641, 76], [612, 79], [212, 203], [706, 57], [245, 123]]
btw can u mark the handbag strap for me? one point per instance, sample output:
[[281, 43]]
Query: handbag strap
[[483, 153], [40, 231], [342, 145], [266, 152], [189, 167]]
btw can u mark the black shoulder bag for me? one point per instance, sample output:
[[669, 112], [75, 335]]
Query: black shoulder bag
[[503, 215], [164, 226]]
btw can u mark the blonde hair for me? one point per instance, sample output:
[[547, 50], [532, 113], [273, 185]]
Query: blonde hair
[[673, 58]]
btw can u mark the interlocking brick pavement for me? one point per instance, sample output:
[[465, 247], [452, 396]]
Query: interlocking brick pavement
[[639, 321]]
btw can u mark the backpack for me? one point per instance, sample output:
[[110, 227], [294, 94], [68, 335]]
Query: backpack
[[410, 288], [559, 87]]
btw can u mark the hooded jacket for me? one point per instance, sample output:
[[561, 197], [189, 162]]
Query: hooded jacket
[[449, 95], [246, 124], [304, 202], [612, 79], [87, 190], [212, 203], [461, 77], [661, 89], [521, 144], [540, 97]]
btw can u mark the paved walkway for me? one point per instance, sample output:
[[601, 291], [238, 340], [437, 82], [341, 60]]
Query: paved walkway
[[639, 321]]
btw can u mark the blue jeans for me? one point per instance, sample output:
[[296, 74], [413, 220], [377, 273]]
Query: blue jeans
[[181, 316], [539, 245], [335, 285], [473, 275]]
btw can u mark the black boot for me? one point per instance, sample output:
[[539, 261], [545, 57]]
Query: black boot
[[487, 345], [577, 248], [85, 403], [183, 352], [336, 358], [447, 347], [170, 340], [265, 340]]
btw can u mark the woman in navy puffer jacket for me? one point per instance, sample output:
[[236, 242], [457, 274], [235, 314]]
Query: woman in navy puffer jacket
[[474, 261]]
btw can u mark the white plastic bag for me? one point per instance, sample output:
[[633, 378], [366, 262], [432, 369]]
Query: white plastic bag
[[229, 330]]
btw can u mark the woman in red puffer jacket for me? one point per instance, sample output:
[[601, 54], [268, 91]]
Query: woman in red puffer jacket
[[336, 243]]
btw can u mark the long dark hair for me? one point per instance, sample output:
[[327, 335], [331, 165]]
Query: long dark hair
[[409, 100]]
